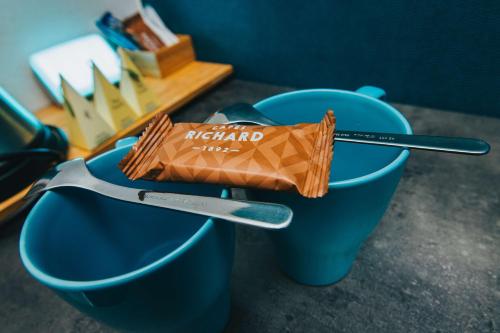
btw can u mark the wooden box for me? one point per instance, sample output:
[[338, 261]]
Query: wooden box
[[166, 60]]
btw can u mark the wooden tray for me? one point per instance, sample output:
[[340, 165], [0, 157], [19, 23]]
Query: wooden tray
[[173, 91]]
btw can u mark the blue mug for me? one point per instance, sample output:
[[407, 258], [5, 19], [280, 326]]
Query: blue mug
[[323, 239], [133, 267]]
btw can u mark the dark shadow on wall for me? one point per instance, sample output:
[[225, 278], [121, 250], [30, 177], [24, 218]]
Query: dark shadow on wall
[[439, 54]]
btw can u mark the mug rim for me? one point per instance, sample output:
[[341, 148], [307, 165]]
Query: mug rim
[[351, 182], [71, 285]]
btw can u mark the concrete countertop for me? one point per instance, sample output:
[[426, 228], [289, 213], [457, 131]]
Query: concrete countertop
[[432, 265]]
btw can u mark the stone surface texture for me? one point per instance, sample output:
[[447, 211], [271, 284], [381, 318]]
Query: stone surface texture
[[432, 265]]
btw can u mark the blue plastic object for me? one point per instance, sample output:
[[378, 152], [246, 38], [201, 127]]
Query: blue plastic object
[[132, 267], [321, 243], [112, 28]]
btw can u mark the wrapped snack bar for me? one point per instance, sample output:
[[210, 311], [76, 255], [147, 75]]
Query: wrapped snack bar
[[296, 157]]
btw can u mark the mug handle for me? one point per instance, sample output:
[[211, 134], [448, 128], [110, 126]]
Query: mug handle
[[372, 91]]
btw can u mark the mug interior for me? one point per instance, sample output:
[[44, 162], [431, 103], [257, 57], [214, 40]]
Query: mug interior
[[353, 112], [76, 235]]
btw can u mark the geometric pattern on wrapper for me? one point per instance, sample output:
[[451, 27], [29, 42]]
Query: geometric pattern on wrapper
[[281, 152]]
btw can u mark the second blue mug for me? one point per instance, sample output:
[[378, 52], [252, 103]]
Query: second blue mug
[[321, 243]]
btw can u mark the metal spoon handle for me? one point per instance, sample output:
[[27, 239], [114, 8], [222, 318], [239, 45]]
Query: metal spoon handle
[[426, 142], [258, 214], [246, 113]]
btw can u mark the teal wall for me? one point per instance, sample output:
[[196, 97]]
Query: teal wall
[[442, 54]]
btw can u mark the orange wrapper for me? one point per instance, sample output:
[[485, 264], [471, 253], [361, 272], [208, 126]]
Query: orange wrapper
[[296, 157], [142, 34]]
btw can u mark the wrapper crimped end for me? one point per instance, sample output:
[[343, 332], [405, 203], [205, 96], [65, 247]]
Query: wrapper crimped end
[[316, 184], [144, 149]]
